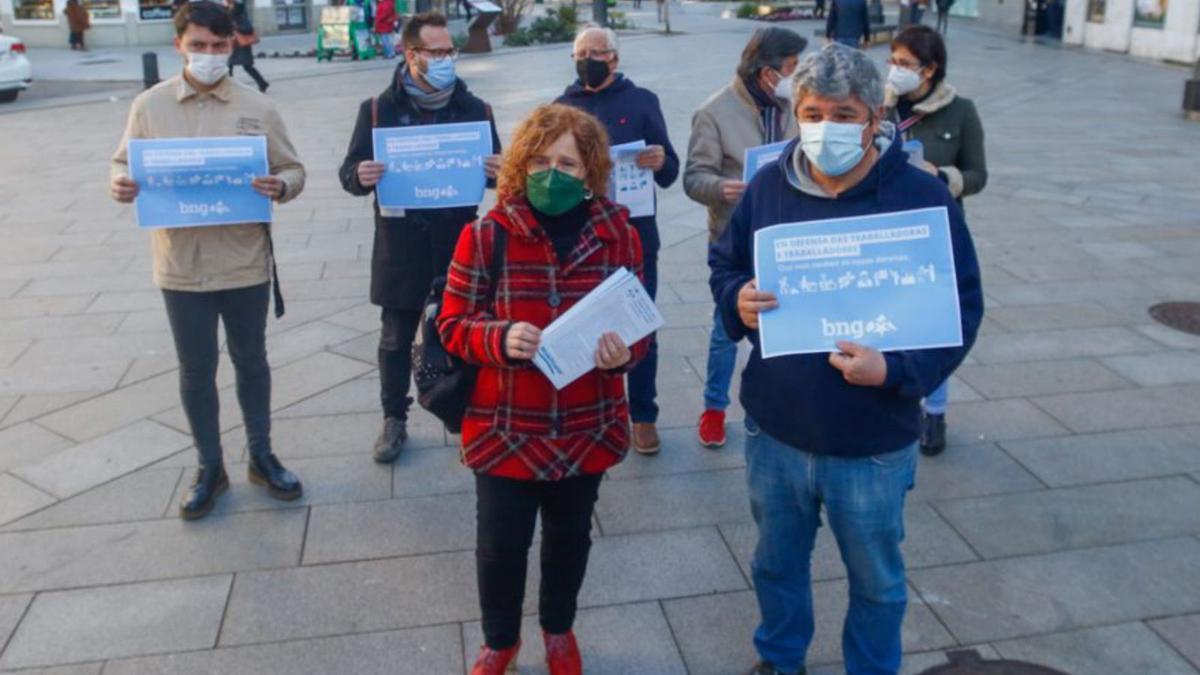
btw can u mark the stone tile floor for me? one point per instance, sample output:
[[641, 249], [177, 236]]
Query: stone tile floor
[[1062, 526]]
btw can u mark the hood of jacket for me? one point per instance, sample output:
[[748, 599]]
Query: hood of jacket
[[941, 97]]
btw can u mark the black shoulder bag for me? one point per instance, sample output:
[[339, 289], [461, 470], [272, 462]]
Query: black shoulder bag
[[444, 381]]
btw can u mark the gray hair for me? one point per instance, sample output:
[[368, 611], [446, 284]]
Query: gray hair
[[838, 71], [610, 35]]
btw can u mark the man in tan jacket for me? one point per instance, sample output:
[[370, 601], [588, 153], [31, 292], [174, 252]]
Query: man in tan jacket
[[748, 112], [215, 272]]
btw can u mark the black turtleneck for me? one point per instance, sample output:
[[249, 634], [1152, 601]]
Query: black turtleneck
[[904, 107], [565, 228]]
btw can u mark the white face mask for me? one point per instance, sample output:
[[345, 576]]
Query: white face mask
[[783, 88], [903, 80], [207, 69]]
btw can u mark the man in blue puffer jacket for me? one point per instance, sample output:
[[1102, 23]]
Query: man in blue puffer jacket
[[836, 432]]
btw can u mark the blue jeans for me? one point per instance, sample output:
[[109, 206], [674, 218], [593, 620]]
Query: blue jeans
[[852, 42], [386, 40], [722, 360], [863, 500], [937, 402]]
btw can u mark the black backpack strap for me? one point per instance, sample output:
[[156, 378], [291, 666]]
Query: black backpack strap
[[275, 289], [496, 268]]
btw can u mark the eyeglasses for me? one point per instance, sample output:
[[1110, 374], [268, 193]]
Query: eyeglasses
[[451, 53], [597, 54]]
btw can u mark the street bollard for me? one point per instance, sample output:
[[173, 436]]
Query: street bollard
[[600, 12], [1191, 95], [149, 69]]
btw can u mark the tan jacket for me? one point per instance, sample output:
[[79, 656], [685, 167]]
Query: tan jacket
[[222, 257], [724, 127]]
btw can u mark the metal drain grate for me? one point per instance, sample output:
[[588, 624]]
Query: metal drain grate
[[968, 662], [1184, 316]]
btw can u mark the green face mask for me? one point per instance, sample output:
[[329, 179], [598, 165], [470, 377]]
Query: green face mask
[[553, 192]]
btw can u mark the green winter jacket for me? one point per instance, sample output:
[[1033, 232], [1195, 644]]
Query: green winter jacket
[[952, 135]]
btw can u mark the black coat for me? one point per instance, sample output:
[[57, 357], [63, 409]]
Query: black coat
[[241, 56], [411, 251]]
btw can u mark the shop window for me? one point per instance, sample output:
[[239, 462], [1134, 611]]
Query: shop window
[[33, 10], [155, 10], [103, 9], [1150, 13]]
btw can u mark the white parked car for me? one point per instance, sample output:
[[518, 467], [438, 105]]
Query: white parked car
[[15, 70]]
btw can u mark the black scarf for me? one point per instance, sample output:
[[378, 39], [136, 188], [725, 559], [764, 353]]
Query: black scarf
[[770, 109]]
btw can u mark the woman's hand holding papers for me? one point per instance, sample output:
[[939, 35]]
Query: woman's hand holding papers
[[522, 340], [751, 301], [611, 352], [860, 365]]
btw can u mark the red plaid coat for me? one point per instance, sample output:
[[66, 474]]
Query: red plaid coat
[[517, 425]]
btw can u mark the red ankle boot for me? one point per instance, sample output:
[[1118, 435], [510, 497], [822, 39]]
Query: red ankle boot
[[492, 662], [562, 654]]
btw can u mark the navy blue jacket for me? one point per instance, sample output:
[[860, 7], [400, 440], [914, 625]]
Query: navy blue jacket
[[848, 19], [802, 400], [630, 114]]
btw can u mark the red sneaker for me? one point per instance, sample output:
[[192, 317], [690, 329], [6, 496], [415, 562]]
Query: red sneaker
[[492, 662], [712, 428], [562, 654]]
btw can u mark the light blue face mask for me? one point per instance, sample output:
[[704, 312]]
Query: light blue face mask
[[834, 147], [440, 73]]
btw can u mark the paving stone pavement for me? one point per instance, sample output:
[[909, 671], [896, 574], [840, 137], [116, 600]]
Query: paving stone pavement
[[1061, 526]]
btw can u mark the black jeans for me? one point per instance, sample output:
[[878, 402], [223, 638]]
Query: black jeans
[[643, 391], [395, 359], [253, 73], [506, 511], [193, 317]]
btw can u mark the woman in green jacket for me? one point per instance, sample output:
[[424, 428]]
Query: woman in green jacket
[[928, 110]]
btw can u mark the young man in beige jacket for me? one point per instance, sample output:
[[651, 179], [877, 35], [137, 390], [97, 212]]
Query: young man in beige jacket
[[224, 272], [748, 112]]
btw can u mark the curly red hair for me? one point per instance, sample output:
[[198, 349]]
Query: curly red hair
[[545, 125]]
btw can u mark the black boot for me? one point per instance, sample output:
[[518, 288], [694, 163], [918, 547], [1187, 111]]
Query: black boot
[[265, 470], [201, 496], [391, 440], [933, 434]]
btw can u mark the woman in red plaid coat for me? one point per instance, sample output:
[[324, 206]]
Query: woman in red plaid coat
[[534, 448]]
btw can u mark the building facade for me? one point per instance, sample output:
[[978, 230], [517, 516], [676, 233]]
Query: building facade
[[129, 23], [1167, 30]]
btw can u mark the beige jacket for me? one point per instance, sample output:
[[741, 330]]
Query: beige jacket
[[724, 127], [222, 257]]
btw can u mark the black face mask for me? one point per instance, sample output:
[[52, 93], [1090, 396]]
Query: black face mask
[[591, 72]]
